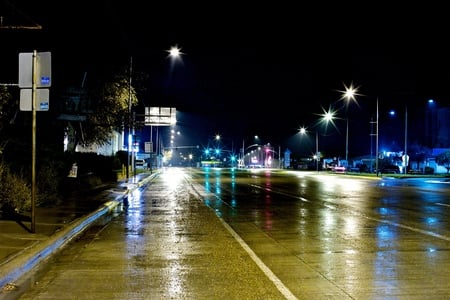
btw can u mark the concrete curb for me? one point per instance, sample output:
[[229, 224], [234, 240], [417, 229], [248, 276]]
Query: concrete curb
[[27, 259]]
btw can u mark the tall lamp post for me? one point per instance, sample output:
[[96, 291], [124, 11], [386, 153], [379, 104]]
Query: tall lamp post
[[130, 122], [232, 156], [376, 140], [268, 148], [243, 149], [317, 151], [405, 155], [257, 151], [327, 117], [348, 95], [316, 155], [242, 162]]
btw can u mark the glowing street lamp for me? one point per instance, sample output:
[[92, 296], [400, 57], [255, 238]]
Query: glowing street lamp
[[174, 53]]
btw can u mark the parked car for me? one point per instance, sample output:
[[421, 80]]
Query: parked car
[[389, 169], [141, 164], [339, 169]]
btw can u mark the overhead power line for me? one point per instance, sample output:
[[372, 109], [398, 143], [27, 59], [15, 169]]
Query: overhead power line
[[22, 19]]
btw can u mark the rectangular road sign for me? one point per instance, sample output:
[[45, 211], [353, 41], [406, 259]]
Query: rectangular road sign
[[160, 116], [42, 99], [43, 70], [148, 147]]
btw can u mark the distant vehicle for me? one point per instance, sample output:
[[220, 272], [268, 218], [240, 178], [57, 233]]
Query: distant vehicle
[[141, 164], [339, 169], [254, 166], [390, 169]]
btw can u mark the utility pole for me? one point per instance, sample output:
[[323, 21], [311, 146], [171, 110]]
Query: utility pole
[[317, 151], [23, 17], [405, 155], [129, 120], [376, 139], [279, 157], [243, 153]]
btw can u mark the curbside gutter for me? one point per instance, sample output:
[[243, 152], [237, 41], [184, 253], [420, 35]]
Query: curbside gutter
[[27, 259]]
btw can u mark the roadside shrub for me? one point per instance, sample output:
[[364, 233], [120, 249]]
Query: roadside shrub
[[429, 170], [93, 170], [94, 164], [48, 182], [52, 182], [15, 193]]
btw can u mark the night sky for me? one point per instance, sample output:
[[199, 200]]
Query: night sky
[[250, 69]]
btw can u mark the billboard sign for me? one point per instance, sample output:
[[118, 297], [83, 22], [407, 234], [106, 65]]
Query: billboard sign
[[160, 116]]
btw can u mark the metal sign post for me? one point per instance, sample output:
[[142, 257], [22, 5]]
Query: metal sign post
[[34, 73]]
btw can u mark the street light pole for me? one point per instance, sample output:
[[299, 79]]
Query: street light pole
[[376, 143], [405, 156], [346, 144], [376, 140], [129, 119], [316, 156], [317, 151], [279, 157], [243, 149], [349, 95], [243, 153]]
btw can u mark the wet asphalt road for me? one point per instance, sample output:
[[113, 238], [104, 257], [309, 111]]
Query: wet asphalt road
[[280, 235]]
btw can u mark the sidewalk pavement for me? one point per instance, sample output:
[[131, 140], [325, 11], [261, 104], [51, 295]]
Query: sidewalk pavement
[[21, 250]]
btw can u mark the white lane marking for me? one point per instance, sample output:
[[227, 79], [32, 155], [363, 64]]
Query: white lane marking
[[425, 232], [266, 270]]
